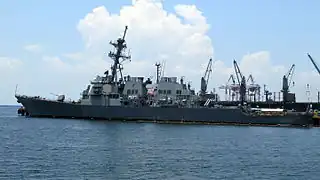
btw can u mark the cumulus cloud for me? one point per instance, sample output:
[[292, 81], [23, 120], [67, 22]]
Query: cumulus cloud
[[155, 35], [34, 48], [7, 64]]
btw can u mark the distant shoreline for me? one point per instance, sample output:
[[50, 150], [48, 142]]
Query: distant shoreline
[[9, 105]]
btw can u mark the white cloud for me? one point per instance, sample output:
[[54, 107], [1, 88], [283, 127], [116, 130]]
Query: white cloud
[[7, 64], [154, 35], [34, 48], [74, 56]]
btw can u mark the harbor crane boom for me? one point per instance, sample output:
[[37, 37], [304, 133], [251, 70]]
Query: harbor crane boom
[[314, 63], [205, 78], [242, 82], [290, 74], [237, 71]]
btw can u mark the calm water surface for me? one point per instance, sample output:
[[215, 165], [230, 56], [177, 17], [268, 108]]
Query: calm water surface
[[34, 148]]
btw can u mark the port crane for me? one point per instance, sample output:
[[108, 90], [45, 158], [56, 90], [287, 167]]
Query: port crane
[[314, 63], [235, 87], [241, 81], [286, 83], [317, 68], [288, 78], [246, 86], [239, 75], [205, 78]]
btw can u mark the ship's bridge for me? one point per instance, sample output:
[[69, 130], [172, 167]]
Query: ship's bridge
[[168, 79], [137, 79], [133, 86], [101, 80], [168, 87]]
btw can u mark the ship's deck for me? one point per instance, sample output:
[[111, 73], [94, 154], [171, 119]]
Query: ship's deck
[[298, 106]]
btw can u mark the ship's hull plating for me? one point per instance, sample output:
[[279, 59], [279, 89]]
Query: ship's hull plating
[[44, 108]]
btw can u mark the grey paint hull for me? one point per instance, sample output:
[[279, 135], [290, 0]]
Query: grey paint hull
[[44, 108]]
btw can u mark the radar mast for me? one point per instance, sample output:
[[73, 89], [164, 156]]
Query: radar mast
[[119, 54]]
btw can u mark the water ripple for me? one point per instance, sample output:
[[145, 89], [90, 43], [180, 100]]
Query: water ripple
[[70, 149]]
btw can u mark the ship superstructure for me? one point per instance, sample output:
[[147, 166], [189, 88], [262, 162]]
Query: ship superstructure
[[108, 90], [168, 91]]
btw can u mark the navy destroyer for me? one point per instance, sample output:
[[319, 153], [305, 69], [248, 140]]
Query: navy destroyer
[[114, 96]]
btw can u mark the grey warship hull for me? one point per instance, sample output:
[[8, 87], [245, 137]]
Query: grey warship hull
[[37, 107]]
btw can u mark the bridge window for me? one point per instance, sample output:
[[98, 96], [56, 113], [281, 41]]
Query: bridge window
[[178, 92], [113, 96], [116, 96], [136, 91], [168, 91]]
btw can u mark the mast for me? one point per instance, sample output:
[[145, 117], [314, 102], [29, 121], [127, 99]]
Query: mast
[[158, 72], [120, 46]]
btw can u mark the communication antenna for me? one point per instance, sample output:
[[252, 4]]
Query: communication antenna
[[308, 93], [162, 68], [158, 75], [15, 92]]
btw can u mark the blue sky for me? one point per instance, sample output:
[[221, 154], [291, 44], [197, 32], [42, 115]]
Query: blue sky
[[287, 29]]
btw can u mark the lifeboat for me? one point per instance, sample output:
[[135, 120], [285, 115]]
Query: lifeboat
[[316, 114]]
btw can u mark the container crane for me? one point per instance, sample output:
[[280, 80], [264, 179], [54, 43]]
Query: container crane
[[286, 82], [231, 87], [205, 78], [253, 88]]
